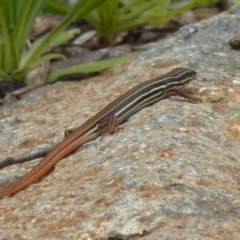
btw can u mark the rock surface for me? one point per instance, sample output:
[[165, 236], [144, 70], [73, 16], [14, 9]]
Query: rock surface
[[175, 169]]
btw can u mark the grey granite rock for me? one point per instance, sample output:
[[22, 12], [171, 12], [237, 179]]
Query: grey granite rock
[[175, 169]]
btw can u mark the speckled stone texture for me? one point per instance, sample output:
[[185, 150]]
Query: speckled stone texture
[[173, 171]]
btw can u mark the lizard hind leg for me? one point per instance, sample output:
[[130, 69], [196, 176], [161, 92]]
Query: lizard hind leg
[[110, 126]]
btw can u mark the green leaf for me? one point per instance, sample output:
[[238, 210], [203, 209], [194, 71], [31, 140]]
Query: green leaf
[[161, 8], [22, 72], [80, 9], [64, 37], [86, 68], [61, 38], [16, 20], [135, 13], [56, 7], [26, 19], [9, 55]]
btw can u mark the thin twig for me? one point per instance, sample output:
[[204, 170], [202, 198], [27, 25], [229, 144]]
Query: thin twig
[[24, 158]]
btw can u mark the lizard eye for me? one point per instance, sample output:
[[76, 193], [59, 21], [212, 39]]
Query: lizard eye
[[190, 73]]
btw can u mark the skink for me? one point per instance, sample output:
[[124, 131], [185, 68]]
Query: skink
[[107, 120]]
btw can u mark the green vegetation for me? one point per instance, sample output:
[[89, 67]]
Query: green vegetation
[[108, 16], [16, 21]]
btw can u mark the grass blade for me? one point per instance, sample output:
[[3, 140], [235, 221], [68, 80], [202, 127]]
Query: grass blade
[[86, 68], [9, 54]]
